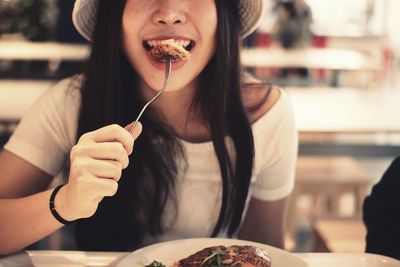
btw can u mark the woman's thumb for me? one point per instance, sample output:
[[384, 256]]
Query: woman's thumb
[[136, 131]]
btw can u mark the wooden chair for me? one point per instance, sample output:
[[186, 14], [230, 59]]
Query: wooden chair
[[321, 184], [327, 179]]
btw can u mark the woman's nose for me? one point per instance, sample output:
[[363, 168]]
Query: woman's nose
[[169, 12]]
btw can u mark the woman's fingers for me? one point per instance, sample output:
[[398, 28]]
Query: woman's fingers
[[110, 133], [103, 151], [90, 187], [108, 169], [97, 161], [101, 187]]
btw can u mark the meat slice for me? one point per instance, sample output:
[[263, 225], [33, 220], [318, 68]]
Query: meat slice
[[169, 49], [239, 256]]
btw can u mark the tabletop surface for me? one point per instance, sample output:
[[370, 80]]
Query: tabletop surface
[[346, 110], [342, 234], [17, 96], [23, 50], [271, 57], [111, 259], [312, 58], [317, 110]]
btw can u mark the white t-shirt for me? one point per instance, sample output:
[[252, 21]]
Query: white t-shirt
[[47, 133]]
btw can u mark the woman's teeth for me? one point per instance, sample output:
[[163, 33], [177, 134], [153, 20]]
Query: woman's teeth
[[186, 44], [183, 43]]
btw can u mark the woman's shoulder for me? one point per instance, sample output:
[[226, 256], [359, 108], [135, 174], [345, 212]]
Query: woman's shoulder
[[259, 99], [70, 83], [67, 89]]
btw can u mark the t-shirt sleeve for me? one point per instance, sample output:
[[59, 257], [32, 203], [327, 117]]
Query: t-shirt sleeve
[[47, 131], [276, 145]]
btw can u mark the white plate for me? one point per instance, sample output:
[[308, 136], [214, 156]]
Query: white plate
[[349, 260], [172, 251]]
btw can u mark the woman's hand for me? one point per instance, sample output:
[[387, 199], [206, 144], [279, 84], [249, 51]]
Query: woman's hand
[[97, 161]]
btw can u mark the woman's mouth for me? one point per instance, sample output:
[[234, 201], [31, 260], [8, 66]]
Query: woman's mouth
[[174, 49]]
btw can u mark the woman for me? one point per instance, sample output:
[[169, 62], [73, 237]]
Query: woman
[[191, 172]]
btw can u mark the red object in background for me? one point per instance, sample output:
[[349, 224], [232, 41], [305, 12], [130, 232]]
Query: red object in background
[[387, 57], [319, 42], [263, 40]]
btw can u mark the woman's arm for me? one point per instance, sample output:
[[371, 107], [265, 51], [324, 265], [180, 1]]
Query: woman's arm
[[19, 178], [265, 222], [96, 160], [23, 220]]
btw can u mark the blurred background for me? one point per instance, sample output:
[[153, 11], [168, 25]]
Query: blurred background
[[338, 60]]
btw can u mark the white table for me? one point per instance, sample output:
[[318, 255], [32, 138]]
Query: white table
[[16, 96], [335, 60], [317, 110], [310, 58], [346, 110], [313, 58], [46, 51], [111, 259], [345, 121]]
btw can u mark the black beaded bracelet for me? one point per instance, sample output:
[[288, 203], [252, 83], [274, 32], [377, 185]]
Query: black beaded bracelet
[[53, 208]]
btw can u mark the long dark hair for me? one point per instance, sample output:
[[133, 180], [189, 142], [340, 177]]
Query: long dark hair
[[109, 96]]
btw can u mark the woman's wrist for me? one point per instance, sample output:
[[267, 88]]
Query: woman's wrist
[[59, 206]]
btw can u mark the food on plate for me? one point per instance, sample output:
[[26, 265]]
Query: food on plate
[[174, 49], [155, 264], [221, 256]]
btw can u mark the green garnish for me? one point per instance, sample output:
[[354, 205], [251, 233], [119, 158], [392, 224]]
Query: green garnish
[[215, 260], [155, 264], [215, 253]]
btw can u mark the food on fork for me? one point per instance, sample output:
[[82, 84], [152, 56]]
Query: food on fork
[[221, 256], [170, 48]]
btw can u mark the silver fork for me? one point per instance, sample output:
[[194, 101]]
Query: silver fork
[[166, 80]]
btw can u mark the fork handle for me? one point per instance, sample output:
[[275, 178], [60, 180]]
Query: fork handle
[[168, 64]]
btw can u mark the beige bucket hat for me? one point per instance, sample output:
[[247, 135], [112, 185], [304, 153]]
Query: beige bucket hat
[[85, 11]]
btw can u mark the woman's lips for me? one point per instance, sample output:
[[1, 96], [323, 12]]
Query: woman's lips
[[178, 50]]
